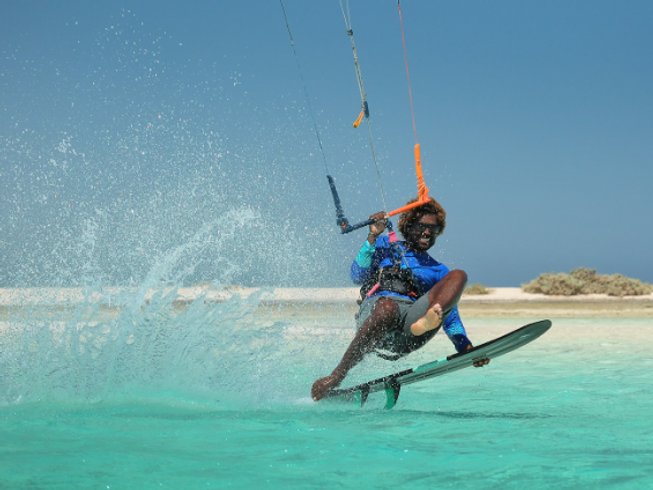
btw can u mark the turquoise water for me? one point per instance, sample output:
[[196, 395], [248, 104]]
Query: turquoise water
[[216, 396]]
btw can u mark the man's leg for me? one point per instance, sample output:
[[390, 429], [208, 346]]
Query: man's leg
[[442, 298], [383, 317]]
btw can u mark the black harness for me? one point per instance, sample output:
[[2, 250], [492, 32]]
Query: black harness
[[395, 278]]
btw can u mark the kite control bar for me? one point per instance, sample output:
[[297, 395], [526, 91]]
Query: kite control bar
[[343, 222]]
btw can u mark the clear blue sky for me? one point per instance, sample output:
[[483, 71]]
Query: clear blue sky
[[131, 131]]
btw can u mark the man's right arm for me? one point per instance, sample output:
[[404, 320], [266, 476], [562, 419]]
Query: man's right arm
[[362, 264]]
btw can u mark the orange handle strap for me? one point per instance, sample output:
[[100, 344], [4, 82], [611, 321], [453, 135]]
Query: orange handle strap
[[422, 190], [407, 207]]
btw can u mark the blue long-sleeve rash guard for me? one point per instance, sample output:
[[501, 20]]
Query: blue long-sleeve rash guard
[[426, 270]]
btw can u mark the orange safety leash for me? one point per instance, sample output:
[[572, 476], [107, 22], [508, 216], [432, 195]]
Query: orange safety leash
[[422, 189], [359, 119]]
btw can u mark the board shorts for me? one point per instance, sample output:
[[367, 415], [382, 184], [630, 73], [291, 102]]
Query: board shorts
[[399, 340]]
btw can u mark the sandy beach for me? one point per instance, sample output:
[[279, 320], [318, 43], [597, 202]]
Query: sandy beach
[[504, 301]]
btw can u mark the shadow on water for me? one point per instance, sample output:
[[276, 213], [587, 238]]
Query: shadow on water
[[208, 413], [492, 415], [376, 406]]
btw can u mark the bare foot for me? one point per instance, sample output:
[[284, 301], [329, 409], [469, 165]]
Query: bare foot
[[323, 385], [431, 320]]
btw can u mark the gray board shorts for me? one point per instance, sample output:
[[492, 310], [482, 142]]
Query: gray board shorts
[[399, 341]]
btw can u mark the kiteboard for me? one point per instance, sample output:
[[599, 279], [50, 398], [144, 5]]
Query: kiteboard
[[392, 383]]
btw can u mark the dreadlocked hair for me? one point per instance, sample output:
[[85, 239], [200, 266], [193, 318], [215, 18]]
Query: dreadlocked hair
[[413, 215]]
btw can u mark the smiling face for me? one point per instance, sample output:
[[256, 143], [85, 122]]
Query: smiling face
[[420, 226], [421, 234]]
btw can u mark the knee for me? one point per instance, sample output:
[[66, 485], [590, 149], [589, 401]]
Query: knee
[[458, 275], [385, 308]]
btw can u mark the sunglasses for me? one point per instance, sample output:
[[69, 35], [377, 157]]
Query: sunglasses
[[422, 227]]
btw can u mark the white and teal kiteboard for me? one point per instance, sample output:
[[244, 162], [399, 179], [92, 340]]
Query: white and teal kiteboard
[[392, 383]]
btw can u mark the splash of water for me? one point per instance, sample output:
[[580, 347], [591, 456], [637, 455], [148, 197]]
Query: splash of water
[[110, 342], [137, 157], [123, 184]]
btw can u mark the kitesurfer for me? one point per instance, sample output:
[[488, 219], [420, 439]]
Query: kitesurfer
[[406, 295]]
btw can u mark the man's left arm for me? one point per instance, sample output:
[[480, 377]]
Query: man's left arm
[[455, 330], [453, 326]]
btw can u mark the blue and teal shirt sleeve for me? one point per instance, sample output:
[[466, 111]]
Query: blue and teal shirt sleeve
[[453, 327], [363, 265]]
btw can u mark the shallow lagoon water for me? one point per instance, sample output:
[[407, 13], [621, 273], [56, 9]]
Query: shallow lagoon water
[[219, 399]]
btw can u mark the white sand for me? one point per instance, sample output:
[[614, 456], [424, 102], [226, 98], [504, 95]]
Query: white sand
[[499, 301]]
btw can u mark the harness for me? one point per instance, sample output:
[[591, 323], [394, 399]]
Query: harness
[[395, 278]]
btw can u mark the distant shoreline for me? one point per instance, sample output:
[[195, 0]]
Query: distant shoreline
[[504, 301], [281, 294]]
